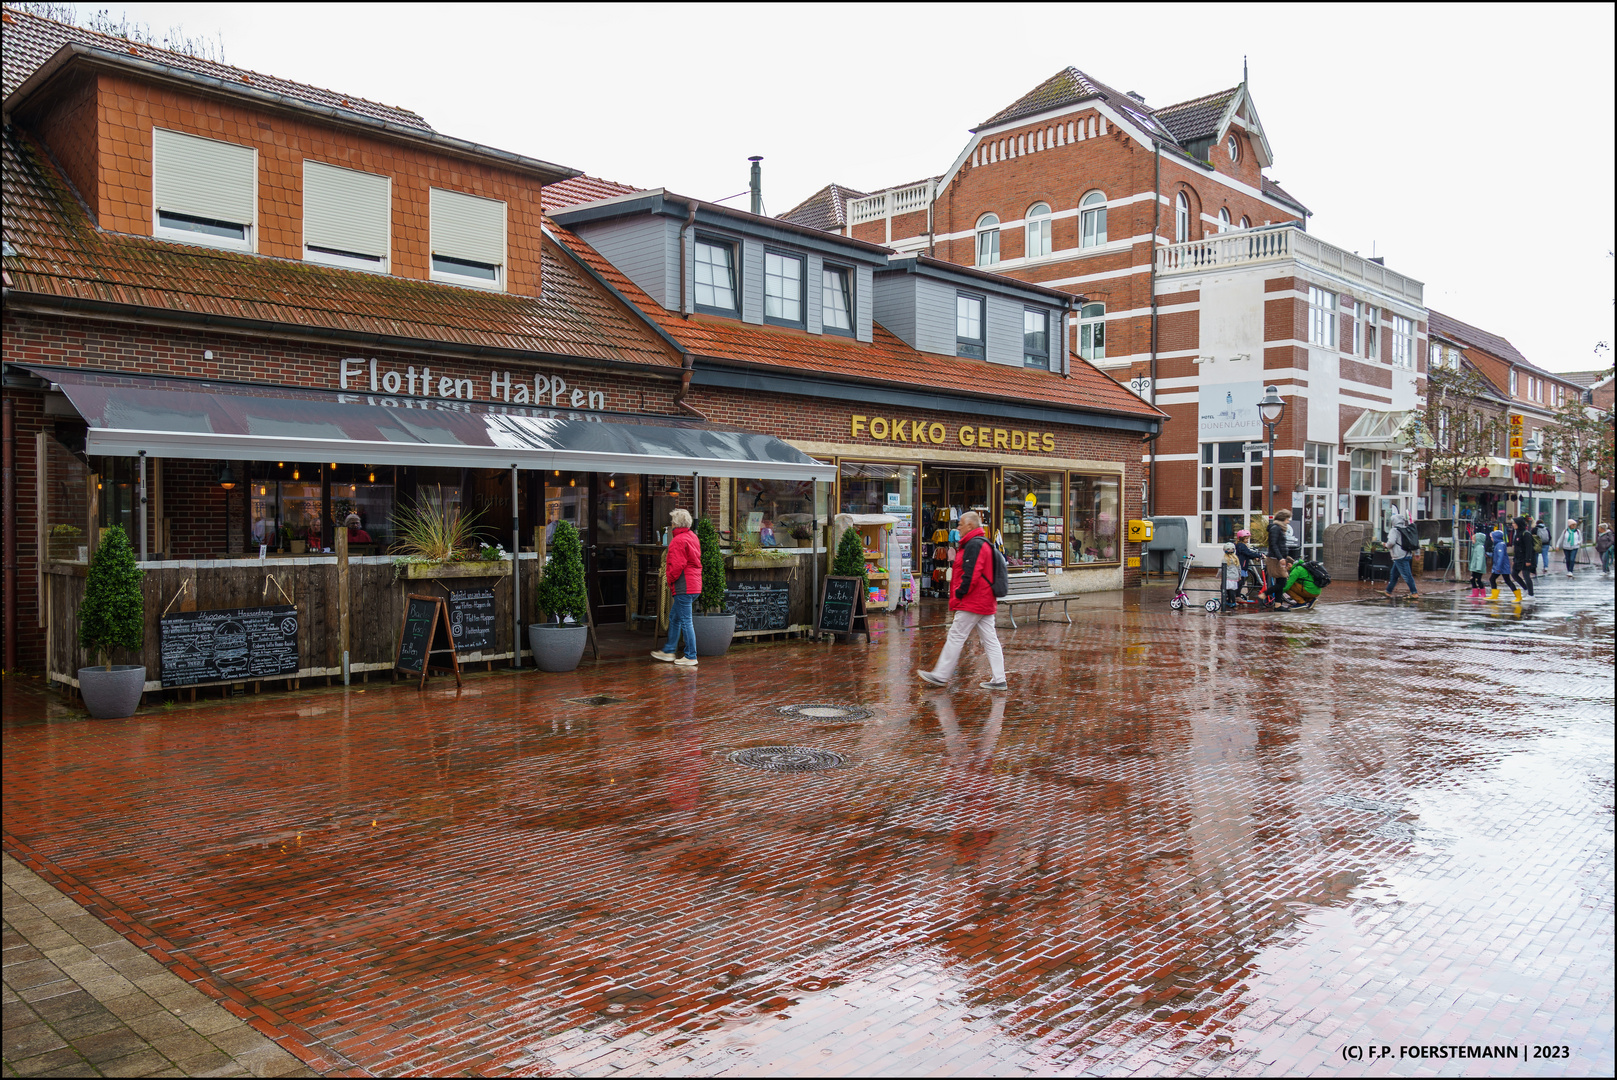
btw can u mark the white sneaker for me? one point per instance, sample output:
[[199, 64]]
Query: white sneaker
[[658, 654], [991, 684], [935, 680], [685, 661]]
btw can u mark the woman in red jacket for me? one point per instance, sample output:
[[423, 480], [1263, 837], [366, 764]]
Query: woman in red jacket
[[684, 585], [973, 603]]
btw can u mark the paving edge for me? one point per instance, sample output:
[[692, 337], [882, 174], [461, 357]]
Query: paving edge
[[99, 950]]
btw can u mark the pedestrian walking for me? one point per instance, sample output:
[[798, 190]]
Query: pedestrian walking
[[1402, 543], [1479, 559], [1500, 547], [1603, 546], [1541, 533], [684, 586], [1282, 546], [1524, 555], [973, 602], [1571, 542]]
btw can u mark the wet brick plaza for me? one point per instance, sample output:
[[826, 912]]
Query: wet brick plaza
[[1183, 843]]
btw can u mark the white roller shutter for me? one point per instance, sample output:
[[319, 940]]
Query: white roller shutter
[[203, 178], [346, 210], [468, 227]]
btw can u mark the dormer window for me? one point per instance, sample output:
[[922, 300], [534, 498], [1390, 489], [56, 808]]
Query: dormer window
[[715, 277], [783, 289], [969, 326], [347, 217], [468, 239], [836, 301], [988, 240], [1036, 338], [204, 191]]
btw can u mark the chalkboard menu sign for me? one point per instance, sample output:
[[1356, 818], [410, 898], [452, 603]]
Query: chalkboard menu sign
[[424, 633], [235, 645], [759, 605], [842, 606], [471, 619]]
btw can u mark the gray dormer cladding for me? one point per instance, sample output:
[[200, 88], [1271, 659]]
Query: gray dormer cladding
[[915, 301]]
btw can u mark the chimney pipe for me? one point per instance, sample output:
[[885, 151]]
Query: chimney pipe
[[757, 184]]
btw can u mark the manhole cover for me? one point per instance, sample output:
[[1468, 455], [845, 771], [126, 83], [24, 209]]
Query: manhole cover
[[596, 699], [823, 711], [787, 759]]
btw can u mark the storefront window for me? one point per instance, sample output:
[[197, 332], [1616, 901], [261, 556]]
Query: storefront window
[[1031, 519], [372, 504], [777, 513], [872, 488], [1094, 519], [299, 514]]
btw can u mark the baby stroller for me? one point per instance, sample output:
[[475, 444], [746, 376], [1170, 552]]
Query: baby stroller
[[1181, 595]]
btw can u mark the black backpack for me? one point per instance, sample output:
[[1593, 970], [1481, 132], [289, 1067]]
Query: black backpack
[[1000, 583], [1316, 570], [1408, 538]]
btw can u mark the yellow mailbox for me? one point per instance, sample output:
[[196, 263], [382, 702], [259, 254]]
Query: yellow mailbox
[[1139, 532]]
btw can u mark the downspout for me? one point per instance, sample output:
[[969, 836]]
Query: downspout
[[685, 313], [1156, 225], [8, 496]]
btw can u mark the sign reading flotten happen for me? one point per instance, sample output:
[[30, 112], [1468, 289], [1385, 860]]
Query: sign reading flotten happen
[[1229, 411], [357, 373]]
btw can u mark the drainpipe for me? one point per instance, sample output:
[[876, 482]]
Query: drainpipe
[[516, 572], [684, 253], [1156, 224], [685, 387], [8, 502]]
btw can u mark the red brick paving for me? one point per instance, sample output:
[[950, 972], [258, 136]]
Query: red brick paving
[[1183, 844]]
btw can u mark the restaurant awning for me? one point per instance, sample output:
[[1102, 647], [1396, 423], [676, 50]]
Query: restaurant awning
[[194, 418], [1398, 432]]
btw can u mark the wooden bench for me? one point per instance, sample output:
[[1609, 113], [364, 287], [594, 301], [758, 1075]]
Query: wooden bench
[[1033, 587]]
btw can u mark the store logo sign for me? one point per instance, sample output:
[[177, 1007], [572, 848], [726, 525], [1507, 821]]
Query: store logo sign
[[551, 390], [983, 438]]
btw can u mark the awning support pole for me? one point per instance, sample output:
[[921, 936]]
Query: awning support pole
[[140, 493], [814, 564], [516, 574]]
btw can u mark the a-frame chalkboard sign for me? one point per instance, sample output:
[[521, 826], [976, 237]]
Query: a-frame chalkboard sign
[[426, 633], [842, 607]]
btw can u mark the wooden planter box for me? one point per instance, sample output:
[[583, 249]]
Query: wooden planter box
[[477, 569], [764, 562]]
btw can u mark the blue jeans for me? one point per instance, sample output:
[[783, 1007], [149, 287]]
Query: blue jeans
[[1605, 560], [681, 623], [1571, 557], [1403, 568]]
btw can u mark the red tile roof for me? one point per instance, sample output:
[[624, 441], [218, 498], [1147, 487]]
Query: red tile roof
[[30, 40], [60, 253], [1197, 118], [826, 209], [886, 359], [582, 189], [1476, 337]]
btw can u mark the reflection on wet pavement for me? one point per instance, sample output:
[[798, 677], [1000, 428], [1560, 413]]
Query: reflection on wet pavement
[[1183, 843]]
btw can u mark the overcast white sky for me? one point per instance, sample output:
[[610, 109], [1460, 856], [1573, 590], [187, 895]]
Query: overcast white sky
[[1472, 145]]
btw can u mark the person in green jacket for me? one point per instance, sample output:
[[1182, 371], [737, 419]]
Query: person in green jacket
[[1300, 585]]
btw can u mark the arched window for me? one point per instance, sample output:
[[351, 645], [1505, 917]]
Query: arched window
[[1092, 332], [1223, 219], [1092, 220], [988, 240], [1246, 222], [1038, 230], [1181, 218]]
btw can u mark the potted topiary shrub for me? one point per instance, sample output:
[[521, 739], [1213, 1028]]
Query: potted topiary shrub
[[558, 642], [112, 616], [715, 627]]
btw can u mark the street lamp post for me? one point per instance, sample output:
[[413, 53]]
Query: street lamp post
[[1271, 408], [1531, 451]]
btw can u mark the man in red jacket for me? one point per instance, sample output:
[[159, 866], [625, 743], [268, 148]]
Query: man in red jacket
[[973, 603], [684, 586]]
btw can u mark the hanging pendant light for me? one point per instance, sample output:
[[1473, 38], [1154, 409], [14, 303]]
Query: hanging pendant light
[[227, 479]]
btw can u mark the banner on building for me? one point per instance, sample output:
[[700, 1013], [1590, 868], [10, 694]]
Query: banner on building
[[1518, 423], [1229, 411]]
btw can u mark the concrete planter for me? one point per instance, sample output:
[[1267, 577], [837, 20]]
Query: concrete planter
[[557, 647], [713, 634], [112, 694]]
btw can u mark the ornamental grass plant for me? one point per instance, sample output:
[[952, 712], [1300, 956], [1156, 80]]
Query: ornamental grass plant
[[429, 531]]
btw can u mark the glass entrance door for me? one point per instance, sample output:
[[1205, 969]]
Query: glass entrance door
[[616, 521], [1316, 511]]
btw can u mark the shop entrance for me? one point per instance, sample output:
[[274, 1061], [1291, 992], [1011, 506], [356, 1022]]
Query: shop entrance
[[605, 508], [946, 493]]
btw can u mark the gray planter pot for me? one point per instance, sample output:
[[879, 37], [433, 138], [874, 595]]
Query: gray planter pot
[[557, 647], [713, 634], [112, 695]]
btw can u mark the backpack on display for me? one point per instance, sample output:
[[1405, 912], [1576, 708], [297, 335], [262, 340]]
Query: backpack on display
[[1316, 570]]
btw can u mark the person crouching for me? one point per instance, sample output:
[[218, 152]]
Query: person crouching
[[1299, 585]]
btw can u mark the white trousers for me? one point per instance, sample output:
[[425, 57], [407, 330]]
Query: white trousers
[[959, 630]]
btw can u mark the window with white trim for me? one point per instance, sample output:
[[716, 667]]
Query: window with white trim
[[783, 288], [1321, 318], [836, 303], [1358, 327], [1038, 230], [1092, 332], [1092, 220], [1403, 342], [1513, 382], [204, 191], [1246, 222], [1232, 146], [347, 217], [1181, 218], [467, 239], [1224, 219], [1372, 333], [715, 276], [1319, 460], [1401, 480], [988, 240], [1364, 473]]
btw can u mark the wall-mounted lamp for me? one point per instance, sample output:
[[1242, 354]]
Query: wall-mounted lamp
[[227, 479]]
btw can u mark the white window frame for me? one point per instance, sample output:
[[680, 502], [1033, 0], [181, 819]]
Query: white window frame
[[1321, 318], [1224, 225], [1246, 222], [1358, 328], [1372, 333], [450, 277], [836, 280], [249, 239], [345, 259], [1364, 467], [1181, 218], [1092, 220], [1038, 236], [1319, 466], [987, 230], [1092, 332], [1513, 383], [1403, 342], [1232, 146]]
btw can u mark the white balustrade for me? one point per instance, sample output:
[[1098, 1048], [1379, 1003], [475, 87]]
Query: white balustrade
[[1277, 245], [891, 203]]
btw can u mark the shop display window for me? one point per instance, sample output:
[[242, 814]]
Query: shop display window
[[876, 488], [1033, 524], [1094, 528], [777, 513]]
